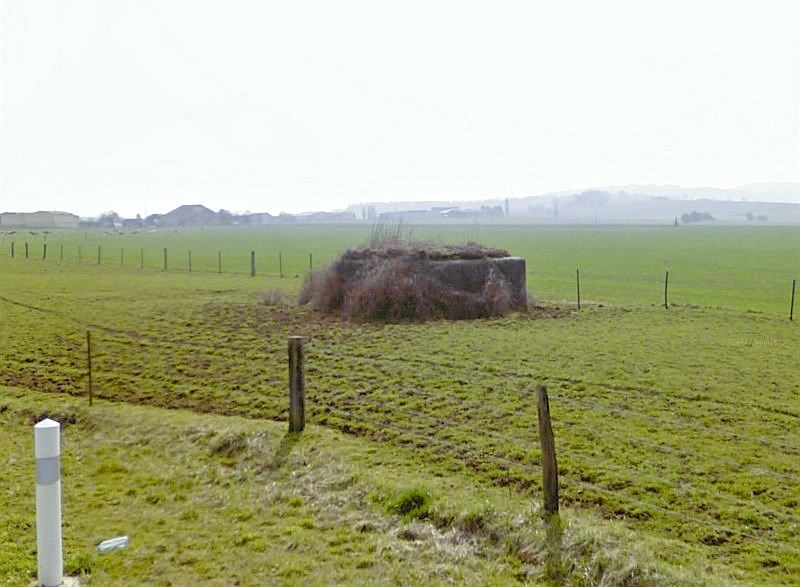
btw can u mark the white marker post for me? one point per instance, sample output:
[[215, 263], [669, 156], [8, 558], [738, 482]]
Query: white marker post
[[47, 436]]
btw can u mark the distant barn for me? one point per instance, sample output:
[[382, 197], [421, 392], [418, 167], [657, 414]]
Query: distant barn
[[189, 215], [38, 220]]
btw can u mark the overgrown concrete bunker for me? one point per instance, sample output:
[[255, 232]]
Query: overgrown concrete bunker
[[413, 281], [472, 275]]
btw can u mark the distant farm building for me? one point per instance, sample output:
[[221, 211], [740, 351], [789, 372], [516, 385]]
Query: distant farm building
[[439, 212], [256, 219], [345, 216], [189, 215], [132, 223], [38, 220]]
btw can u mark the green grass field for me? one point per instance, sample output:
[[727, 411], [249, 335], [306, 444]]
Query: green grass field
[[732, 267], [220, 500], [680, 424]]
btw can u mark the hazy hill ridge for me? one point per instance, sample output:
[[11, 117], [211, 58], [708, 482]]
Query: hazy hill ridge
[[777, 202]]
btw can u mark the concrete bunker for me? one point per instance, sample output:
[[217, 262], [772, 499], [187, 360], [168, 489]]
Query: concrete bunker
[[415, 281]]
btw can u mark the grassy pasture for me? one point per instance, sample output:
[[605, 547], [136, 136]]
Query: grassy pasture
[[219, 500], [683, 424], [732, 267]]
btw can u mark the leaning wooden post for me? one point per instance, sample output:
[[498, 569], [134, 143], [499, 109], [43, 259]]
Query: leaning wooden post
[[252, 263], [47, 450], [297, 385], [89, 364], [791, 306], [666, 285], [578, 284], [549, 466]]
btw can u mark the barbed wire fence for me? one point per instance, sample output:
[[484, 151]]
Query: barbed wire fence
[[275, 264], [272, 263]]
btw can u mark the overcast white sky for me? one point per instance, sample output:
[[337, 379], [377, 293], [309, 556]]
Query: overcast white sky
[[293, 106]]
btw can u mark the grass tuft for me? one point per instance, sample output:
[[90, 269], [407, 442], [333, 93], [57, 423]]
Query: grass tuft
[[410, 504], [277, 298], [228, 444]]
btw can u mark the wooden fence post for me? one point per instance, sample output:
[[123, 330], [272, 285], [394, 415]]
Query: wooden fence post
[[12, 249], [99, 254], [297, 385], [252, 263], [190, 261], [165, 259], [280, 264], [89, 363], [44, 251], [549, 466], [310, 263], [666, 285], [791, 306], [578, 283], [26, 249], [219, 262]]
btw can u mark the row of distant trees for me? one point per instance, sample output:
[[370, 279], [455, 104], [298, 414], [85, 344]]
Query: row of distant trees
[[759, 218], [695, 216], [109, 219]]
